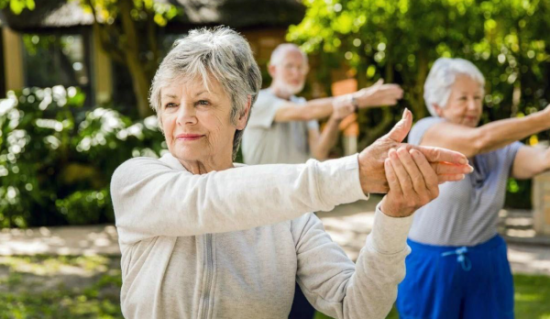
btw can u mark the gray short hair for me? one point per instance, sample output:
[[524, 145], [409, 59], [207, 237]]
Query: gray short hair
[[220, 53], [281, 50], [441, 78]]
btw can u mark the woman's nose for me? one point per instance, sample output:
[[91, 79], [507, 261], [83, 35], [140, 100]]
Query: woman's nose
[[186, 115], [472, 104]]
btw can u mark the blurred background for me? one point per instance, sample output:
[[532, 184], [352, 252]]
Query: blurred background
[[74, 81]]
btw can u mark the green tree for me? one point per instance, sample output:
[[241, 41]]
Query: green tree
[[17, 6], [128, 31], [399, 40]]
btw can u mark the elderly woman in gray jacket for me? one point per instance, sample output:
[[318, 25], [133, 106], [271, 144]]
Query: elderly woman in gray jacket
[[202, 237]]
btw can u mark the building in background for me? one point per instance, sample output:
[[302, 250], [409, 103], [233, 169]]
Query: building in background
[[55, 43]]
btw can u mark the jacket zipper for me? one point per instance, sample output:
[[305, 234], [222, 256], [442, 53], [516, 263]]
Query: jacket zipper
[[208, 269]]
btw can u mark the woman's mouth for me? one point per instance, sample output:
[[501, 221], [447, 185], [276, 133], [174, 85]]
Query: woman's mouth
[[186, 137]]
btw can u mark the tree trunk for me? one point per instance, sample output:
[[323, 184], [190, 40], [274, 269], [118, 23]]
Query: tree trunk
[[141, 84], [123, 46], [141, 81], [417, 102]]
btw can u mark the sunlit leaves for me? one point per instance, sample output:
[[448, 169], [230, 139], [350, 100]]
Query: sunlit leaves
[[17, 6], [108, 10], [507, 39]]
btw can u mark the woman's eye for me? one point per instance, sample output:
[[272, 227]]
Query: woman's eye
[[463, 98], [203, 102], [477, 97], [169, 105]]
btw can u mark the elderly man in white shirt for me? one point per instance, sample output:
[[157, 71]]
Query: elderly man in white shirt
[[283, 128]]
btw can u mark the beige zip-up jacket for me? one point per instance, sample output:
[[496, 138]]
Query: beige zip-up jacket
[[231, 244]]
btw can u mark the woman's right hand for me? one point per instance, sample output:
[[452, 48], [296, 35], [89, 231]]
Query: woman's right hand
[[448, 165], [411, 180]]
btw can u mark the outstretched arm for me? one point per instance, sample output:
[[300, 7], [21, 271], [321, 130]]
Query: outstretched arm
[[152, 198], [377, 95], [368, 290], [530, 161], [472, 141]]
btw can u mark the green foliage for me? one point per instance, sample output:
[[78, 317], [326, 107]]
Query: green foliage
[[518, 194], [399, 41], [56, 159], [17, 6], [109, 10]]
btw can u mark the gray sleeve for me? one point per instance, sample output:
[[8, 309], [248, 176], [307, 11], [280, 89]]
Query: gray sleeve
[[508, 155], [339, 288], [263, 112], [152, 199], [420, 128]]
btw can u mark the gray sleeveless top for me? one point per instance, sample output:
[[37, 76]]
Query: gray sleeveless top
[[466, 212]]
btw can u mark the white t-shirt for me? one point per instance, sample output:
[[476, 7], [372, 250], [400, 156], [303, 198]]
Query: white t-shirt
[[268, 142]]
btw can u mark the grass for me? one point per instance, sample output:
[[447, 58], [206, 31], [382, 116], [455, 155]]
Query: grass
[[532, 297], [64, 287], [82, 287]]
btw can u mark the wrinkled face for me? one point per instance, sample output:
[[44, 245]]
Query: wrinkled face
[[465, 102], [290, 74], [196, 121]]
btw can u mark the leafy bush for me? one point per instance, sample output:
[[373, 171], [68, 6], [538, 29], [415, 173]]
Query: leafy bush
[[56, 158], [400, 40]]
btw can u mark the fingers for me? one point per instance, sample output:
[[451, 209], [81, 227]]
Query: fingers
[[443, 168], [450, 178], [388, 94], [416, 176], [343, 109], [431, 180], [436, 154], [402, 128], [391, 177], [404, 178]]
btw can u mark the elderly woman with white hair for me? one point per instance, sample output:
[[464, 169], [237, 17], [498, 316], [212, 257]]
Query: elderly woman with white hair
[[202, 237], [458, 267]]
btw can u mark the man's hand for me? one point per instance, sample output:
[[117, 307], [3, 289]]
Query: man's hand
[[379, 94], [448, 165], [342, 107]]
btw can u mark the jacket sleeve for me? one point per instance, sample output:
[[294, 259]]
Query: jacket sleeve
[[336, 286], [153, 199]]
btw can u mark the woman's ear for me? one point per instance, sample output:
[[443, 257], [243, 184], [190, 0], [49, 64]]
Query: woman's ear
[[438, 110], [243, 117], [271, 69]]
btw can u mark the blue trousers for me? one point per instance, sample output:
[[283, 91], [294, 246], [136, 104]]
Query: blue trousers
[[448, 282]]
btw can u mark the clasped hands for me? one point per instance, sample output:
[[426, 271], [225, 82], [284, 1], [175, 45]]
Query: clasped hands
[[409, 175]]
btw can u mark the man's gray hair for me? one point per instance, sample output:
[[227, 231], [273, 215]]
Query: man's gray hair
[[221, 54], [441, 78], [278, 55]]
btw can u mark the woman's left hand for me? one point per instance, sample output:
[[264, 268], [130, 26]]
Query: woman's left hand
[[412, 181]]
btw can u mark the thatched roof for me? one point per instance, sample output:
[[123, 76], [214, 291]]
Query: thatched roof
[[59, 14]]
